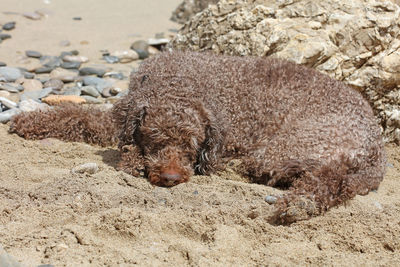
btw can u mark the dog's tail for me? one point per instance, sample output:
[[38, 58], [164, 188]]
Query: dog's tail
[[67, 122], [317, 188]]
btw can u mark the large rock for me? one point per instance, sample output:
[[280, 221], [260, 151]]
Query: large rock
[[188, 8], [357, 42]]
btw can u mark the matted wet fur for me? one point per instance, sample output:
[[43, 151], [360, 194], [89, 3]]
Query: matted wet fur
[[289, 125]]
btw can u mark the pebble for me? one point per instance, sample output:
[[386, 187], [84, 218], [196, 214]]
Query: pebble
[[141, 47], [35, 95], [9, 26], [6, 116], [70, 58], [12, 88], [90, 90], [4, 93], [31, 15], [43, 70], [106, 92], [34, 54], [65, 43], [29, 75], [56, 84], [32, 85], [2, 64], [45, 92], [91, 100], [115, 75], [126, 56], [8, 103], [77, 18], [51, 61], [111, 59], [99, 83], [64, 75], [44, 12], [90, 168], [69, 53], [4, 36], [72, 91], [10, 74], [271, 199], [92, 71], [157, 41], [6, 260], [31, 105], [153, 51], [57, 99], [71, 65]]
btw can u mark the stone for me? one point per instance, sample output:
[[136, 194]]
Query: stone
[[12, 88], [7, 260], [153, 51], [58, 99], [29, 75], [92, 71], [271, 199], [158, 42], [125, 56], [72, 91], [188, 8], [35, 95], [98, 83], [92, 100], [141, 48], [32, 85], [77, 18], [4, 36], [65, 43], [64, 75], [2, 64], [7, 115], [32, 15], [73, 58], [115, 75], [9, 26], [111, 59], [10, 74], [51, 61], [4, 94], [8, 103], [90, 168], [32, 105], [43, 70], [55, 84], [90, 90], [355, 42], [45, 92], [34, 54], [71, 65]]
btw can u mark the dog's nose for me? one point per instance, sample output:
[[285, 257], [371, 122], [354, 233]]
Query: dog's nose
[[170, 176]]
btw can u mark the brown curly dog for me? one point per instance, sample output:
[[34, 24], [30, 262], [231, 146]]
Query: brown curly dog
[[290, 126]]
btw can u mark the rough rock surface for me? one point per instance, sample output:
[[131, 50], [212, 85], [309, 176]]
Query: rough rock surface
[[188, 8], [357, 42]]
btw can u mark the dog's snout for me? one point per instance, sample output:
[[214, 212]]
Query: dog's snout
[[170, 176]]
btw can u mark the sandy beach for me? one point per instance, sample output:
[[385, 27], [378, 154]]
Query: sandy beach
[[52, 215]]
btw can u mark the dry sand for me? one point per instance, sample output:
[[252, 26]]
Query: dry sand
[[50, 215]]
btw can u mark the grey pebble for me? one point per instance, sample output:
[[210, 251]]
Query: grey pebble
[[71, 65], [92, 71], [90, 168], [91, 100], [29, 75], [9, 26], [2, 64], [6, 116], [111, 59], [271, 199], [35, 95], [157, 42], [90, 90], [43, 70], [99, 83], [8, 103], [115, 75], [123, 93], [32, 53], [31, 15], [141, 47], [45, 92], [10, 88], [51, 61], [6, 260], [4, 36], [32, 105], [65, 43], [77, 18], [55, 84], [72, 91], [389, 165], [10, 74]]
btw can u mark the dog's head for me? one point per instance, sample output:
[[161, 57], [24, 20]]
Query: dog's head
[[177, 137]]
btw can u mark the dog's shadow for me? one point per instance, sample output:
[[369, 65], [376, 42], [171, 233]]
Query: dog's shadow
[[110, 156]]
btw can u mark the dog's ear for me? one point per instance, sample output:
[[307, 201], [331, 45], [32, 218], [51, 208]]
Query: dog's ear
[[210, 149], [128, 116]]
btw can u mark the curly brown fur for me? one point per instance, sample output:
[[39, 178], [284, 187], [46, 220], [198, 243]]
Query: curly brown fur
[[67, 122], [289, 125]]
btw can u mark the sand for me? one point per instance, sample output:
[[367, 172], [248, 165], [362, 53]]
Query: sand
[[51, 215]]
